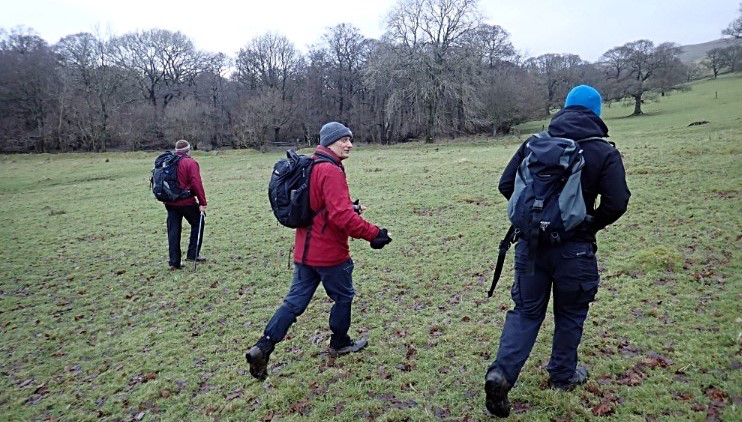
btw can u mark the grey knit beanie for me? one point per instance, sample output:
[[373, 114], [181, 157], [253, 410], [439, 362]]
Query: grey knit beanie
[[331, 132], [182, 146]]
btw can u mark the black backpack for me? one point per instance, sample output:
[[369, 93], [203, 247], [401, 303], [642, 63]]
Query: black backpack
[[164, 180], [288, 189]]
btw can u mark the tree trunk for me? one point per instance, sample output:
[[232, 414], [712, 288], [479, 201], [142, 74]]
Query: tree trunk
[[430, 132], [60, 121], [637, 104], [104, 129]]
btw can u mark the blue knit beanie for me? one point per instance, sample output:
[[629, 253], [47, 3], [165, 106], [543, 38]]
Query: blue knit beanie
[[586, 96], [331, 132]]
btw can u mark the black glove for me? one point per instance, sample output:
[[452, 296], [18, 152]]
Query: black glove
[[587, 225], [381, 239]]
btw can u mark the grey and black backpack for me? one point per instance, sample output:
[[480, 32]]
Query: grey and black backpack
[[547, 204], [547, 200]]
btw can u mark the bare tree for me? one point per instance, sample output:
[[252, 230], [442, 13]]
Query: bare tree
[[731, 55], [558, 74], [93, 87], [714, 61], [511, 95], [428, 31], [217, 93], [161, 64], [645, 62], [493, 46], [267, 70], [616, 61], [735, 27], [385, 124], [492, 68], [615, 66], [692, 72], [670, 77], [29, 88], [345, 50]]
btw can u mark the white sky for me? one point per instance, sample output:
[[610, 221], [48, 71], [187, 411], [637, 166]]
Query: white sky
[[584, 27]]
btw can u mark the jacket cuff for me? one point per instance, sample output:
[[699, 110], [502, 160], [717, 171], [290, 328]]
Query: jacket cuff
[[375, 231]]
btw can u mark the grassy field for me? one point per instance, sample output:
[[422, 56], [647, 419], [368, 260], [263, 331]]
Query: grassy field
[[95, 327]]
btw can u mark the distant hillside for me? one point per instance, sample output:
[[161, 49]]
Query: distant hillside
[[696, 52]]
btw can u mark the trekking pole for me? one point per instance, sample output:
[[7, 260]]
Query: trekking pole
[[198, 240], [510, 236]]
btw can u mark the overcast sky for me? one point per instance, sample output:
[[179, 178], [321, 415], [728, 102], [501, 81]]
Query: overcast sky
[[584, 27]]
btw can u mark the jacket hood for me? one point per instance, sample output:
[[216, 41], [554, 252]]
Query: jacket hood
[[577, 122]]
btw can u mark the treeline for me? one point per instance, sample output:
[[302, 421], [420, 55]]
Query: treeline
[[437, 71]]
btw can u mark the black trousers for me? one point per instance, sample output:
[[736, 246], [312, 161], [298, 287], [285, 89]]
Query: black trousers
[[571, 271], [175, 216]]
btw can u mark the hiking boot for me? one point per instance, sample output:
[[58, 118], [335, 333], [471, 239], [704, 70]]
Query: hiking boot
[[174, 267], [353, 347], [199, 258], [579, 377], [496, 387], [258, 361]]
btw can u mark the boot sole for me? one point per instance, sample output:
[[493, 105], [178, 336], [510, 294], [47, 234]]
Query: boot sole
[[257, 369], [497, 402], [340, 352]]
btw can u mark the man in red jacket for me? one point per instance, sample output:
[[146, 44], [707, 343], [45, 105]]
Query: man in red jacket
[[321, 252], [189, 178]]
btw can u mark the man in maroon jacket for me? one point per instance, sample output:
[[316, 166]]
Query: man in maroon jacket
[[189, 178], [321, 253]]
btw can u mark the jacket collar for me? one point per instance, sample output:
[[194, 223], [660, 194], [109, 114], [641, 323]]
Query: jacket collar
[[328, 152], [577, 122]]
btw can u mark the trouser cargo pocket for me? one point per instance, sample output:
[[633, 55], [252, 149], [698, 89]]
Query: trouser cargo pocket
[[576, 277], [588, 290]]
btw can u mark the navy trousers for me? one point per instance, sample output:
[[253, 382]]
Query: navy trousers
[[572, 270], [175, 216], [338, 284]]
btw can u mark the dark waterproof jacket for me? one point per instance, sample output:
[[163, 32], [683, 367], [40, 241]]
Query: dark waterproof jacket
[[602, 175], [336, 221]]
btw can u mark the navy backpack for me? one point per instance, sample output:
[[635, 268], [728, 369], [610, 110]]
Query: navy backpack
[[164, 179]]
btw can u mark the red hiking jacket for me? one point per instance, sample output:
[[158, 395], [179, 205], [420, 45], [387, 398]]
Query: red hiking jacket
[[189, 177], [336, 220]]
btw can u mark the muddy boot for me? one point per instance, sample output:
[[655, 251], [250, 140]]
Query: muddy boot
[[257, 358], [496, 388], [579, 377], [353, 347]]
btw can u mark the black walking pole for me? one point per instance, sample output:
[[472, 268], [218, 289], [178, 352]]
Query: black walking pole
[[504, 246], [198, 240]]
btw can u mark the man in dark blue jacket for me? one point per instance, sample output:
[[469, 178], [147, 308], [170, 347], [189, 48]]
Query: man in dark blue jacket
[[570, 266]]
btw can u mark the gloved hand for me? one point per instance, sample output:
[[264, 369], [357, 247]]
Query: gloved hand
[[381, 239], [587, 225]]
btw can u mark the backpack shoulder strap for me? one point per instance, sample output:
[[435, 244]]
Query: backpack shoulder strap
[[324, 158]]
